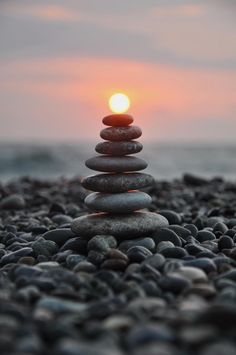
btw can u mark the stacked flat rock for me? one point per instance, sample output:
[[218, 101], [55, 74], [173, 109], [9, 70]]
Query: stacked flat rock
[[116, 199]]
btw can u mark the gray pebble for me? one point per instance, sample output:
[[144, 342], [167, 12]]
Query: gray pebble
[[124, 202], [107, 163], [119, 148], [117, 134]]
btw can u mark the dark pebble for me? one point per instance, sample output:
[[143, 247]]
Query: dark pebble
[[59, 236], [171, 216], [166, 234]]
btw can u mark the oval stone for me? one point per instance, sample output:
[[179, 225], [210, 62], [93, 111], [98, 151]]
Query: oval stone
[[119, 148], [117, 134], [117, 120], [112, 183], [115, 164], [118, 203], [126, 226]]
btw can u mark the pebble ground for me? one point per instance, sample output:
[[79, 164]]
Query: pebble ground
[[171, 293]]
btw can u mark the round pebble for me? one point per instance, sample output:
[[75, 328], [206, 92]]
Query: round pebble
[[128, 225], [117, 134], [119, 148], [117, 120], [118, 203], [113, 183], [115, 164]]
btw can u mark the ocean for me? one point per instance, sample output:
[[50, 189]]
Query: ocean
[[49, 161]]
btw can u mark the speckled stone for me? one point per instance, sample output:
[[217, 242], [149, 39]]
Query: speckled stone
[[117, 134], [118, 120], [115, 164], [125, 226], [111, 183], [118, 203], [119, 148]]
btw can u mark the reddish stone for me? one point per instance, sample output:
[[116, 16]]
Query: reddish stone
[[118, 120]]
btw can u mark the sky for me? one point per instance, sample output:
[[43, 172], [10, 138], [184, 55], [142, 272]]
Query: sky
[[61, 60]]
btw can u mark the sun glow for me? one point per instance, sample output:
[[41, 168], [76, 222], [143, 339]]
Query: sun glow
[[119, 103]]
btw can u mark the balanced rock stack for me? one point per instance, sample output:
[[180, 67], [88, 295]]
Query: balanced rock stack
[[116, 199]]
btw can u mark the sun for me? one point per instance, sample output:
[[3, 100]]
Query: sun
[[119, 103]]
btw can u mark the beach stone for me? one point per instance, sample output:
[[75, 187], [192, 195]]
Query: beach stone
[[113, 183], [174, 283], [204, 235], [116, 134], [102, 243], [225, 242], [14, 256], [174, 252], [172, 216], [137, 254], [118, 203], [12, 202], [192, 273], [166, 234], [119, 148], [205, 264], [144, 242], [126, 226], [59, 236], [180, 231], [117, 120], [115, 164]]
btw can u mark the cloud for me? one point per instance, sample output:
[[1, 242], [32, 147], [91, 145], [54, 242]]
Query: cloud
[[65, 98]]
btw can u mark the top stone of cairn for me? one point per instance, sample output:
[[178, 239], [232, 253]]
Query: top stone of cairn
[[118, 120]]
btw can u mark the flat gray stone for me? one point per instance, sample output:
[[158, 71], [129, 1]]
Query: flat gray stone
[[121, 133], [124, 202], [118, 120], [119, 148], [111, 183], [115, 164], [126, 226]]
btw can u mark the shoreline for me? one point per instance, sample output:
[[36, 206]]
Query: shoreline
[[172, 292]]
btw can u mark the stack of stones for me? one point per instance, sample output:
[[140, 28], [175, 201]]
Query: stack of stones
[[116, 200]]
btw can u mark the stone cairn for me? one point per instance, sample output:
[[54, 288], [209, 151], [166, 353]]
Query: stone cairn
[[116, 200]]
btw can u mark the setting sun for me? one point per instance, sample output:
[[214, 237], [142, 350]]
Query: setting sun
[[119, 103]]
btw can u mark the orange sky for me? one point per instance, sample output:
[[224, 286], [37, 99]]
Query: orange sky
[[178, 72]]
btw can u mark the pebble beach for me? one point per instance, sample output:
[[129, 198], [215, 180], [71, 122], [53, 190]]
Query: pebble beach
[[170, 292]]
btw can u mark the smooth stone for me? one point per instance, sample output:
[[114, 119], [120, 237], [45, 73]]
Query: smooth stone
[[205, 264], [59, 236], [194, 274], [137, 254], [115, 164], [174, 283], [204, 235], [113, 183], [102, 243], [144, 242], [119, 148], [117, 120], [172, 216], [57, 305], [167, 234], [132, 225], [225, 242], [117, 134], [12, 202], [44, 247], [14, 256], [118, 203], [180, 231], [174, 252]]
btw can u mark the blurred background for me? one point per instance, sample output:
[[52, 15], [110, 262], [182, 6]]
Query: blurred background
[[61, 60]]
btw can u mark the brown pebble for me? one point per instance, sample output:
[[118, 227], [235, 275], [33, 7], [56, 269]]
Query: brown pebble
[[116, 254], [114, 264], [27, 260], [118, 120], [117, 134]]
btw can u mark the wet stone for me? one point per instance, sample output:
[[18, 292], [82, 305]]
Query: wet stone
[[171, 216], [116, 134], [113, 183], [115, 164], [59, 236], [144, 242], [118, 203], [102, 243], [117, 120], [119, 148], [125, 226]]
